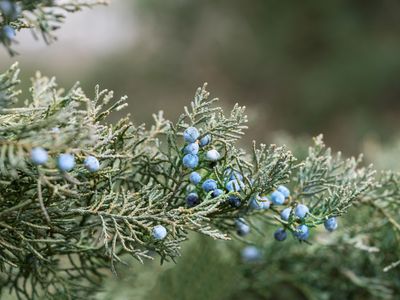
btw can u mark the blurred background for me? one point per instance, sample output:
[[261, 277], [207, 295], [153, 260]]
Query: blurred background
[[301, 67]]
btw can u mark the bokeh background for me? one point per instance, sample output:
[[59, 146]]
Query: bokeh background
[[301, 67]]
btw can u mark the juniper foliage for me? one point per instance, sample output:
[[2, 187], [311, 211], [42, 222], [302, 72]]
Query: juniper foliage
[[43, 17], [59, 228]]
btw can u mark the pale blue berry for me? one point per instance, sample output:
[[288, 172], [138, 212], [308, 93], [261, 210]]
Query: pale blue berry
[[8, 32], [302, 232], [331, 224], [191, 135], [216, 193], [285, 214], [213, 155], [259, 203], [159, 232], [280, 234], [301, 211], [190, 161], [39, 156], [195, 178], [209, 185], [284, 190], [277, 198], [91, 164], [232, 174], [242, 228], [192, 148], [234, 186], [204, 141], [251, 254], [6, 7], [66, 162], [192, 199]]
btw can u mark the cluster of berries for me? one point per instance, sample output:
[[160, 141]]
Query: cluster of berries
[[65, 161], [9, 11], [299, 213], [191, 159]]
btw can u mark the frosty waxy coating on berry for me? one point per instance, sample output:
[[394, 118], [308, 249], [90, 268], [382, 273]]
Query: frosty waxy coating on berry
[[259, 203], [195, 178], [234, 186], [331, 224], [242, 228], [204, 141], [251, 254], [159, 232], [8, 32], [280, 235], [192, 148], [6, 7], [277, 198], [213, 155], [190, 161], [284, 190], [192, 199], [209, 185], [233, 175], [301, 211], [191, 135], [39, 156], [91, 164], [217, 193], [302, 232], [65, 162], [286, 213]]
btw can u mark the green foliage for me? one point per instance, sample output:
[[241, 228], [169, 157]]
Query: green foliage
[[66, 227]]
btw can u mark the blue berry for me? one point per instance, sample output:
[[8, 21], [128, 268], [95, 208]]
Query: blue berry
[[232, 174], [191, 135], [39, 156], [280, 234], [209, 185], [242, 228], [217, 193], [331, 224], [66, 162], [159, 232], [8, 32], [284, 190], [234, 201], [192, 199], [195, 178], [285, 214], [213, 155], [204, 141], [301, 211], [302, 232], [234, 186], [192, 148], [190, 161], [91, 164], [6, 7], [277, 198], [259, 203], [251, 254]]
